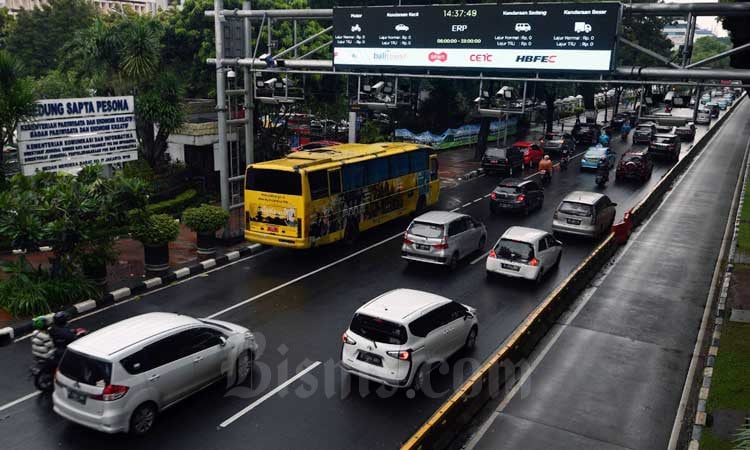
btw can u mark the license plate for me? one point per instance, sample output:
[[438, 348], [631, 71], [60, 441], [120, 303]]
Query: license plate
[[273, 229], [77, 397], [574, 221], [510, 267], [494, 161], [369, 358], [423, 247]]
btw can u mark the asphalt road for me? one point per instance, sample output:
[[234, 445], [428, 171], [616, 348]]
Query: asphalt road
[[614, 376], [300, 303]]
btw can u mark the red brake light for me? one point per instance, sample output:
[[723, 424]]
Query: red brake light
[[407, 241], [442, 245], [521, 198], [493, 254], [493, 196], [111, 392], [403, 355], [347, 340], [534, 262]]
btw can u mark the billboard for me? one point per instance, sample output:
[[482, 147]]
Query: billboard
[[577, 37], [67, 134]]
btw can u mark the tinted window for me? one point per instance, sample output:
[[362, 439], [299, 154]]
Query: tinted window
[[318, 184], [169, 349], [274, 181], [444, 314], [399, 165], [509, 249], [354, 176], [429, 230], [136, 363], [495, 152], [532, 186], [85, 369], [378, 330], [508, 189], [542, 245], [203, 338], [377, 170], [576, 209], [422, 326], [417, 160], [468, 223], [664, 140], [334, 177], [456, 227], [455, 310]]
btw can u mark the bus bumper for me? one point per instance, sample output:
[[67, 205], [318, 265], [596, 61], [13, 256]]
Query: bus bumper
[[275, 240]]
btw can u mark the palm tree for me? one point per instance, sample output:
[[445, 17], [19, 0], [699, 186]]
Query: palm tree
[[16, 101]]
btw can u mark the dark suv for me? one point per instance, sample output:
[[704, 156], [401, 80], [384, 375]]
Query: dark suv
[[503, 160], [556, 142], [686, 132], [634, 165], [666, 145], [516, 195], [644, 133], [586, 133]]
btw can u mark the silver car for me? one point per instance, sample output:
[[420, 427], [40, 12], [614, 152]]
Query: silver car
[[585, 214], [443, 237], [117, 379]]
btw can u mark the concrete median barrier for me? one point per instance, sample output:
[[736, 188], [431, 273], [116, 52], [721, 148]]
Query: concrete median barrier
[[499, 371]]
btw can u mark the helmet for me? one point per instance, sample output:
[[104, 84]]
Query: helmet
[[60, 318], [546, 157], [39, 323]]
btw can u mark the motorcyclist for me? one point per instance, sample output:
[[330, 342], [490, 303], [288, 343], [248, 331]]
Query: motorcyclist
[[604, 138], [564, 157], [602, 169], [546, 164], [42, 346], [625, 129], [61, 334]]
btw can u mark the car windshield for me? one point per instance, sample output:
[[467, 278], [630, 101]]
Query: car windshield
[[631, 157], [84, 369], [378, 330], [644, 128], [595, 153], [428, 230], [510, 249], [495, 152], [575, 208]]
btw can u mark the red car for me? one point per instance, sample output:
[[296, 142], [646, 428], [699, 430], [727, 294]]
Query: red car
[[315, 145], [634, 165], [532, 153]]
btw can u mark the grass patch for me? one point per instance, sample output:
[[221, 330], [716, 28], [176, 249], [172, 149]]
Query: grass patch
[[745, 213], [729, 386], [743, 236], [710, 441]]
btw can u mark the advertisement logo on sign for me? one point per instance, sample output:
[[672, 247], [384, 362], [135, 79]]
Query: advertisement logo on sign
[[480, 57], [389, 56], [437, 56], [551, 59]]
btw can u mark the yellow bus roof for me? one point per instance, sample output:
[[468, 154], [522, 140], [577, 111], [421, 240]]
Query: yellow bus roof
[[335, 155]]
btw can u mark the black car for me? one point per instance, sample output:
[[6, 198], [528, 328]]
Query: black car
[[619, 120], [665, 145], [644, 133], [586, 133], [514, 194], [503, 160], [686, 132], [556, 142]]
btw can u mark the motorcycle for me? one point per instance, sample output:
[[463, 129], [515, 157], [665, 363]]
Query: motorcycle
[[601, 179], [46, 359], [564, 160], [546, 176]]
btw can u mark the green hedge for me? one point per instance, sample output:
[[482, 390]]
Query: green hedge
[[175, 206]]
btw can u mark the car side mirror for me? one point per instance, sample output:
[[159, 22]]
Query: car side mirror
[[223, 342], [558, 243]]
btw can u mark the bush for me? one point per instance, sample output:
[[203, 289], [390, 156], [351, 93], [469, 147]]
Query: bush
[[174, 206], [205, 218], [30, 292], [156, 230]]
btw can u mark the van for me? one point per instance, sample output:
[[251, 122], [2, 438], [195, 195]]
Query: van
[[583, 213], [703, 117]]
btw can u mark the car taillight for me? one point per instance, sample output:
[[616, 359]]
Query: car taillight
[[493, 196], [521, 198], [442, 245], [403, 355], [407, 241], [111, 392], [534, 262], [556, 215], [347, 340], [493, 254]]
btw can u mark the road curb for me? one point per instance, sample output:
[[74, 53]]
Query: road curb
[[9, 334]]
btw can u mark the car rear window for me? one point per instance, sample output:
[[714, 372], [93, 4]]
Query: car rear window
[[553, 136], [664, 140], [428, 230], [85, 369], [273, 181], [510, 189], [495, 152], [631, 157], [575, 208], [516, 250], [378, 330], [644, 128]]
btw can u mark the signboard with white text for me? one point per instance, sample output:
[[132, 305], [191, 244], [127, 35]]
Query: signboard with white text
[[578, 37], [67, 134]]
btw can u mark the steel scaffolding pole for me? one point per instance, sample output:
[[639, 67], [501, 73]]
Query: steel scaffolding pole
[[248, 78], [650, 53], [687, 49], [729, 52]]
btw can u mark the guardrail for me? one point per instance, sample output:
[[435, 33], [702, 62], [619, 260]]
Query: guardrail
[[487, 382]]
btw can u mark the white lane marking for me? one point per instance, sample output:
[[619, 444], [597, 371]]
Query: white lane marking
[[19, 400], [268, 395], [481, 257], [488, 195], [466, 205], [478, 200]]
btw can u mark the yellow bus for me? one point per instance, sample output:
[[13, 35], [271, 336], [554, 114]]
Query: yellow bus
[[316, 197]]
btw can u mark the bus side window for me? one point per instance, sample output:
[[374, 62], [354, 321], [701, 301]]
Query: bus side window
[[434, 169], [417, 161], [353, 176], [377, 170], [334, 179], [318, 184], [399, 165]]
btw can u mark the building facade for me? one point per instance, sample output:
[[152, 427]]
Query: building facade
[[675, 32], [139, 6]]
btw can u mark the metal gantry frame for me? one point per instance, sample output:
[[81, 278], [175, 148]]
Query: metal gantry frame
[[686, 73]]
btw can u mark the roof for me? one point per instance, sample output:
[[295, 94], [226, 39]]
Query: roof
[[596, 149], [523, 234], [635, 152], [665, 135], [121, 335], [588, 198], [342, 153], [439, 217], [398, 304]]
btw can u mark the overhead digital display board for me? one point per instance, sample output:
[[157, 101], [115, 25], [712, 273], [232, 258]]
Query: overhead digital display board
[[533, 37]]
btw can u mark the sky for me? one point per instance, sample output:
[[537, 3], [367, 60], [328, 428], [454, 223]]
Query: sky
[[706, 22]]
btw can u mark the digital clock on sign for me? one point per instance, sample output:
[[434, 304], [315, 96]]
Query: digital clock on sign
[[459, 12]]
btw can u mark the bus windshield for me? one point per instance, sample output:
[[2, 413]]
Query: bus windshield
[[273, 181]]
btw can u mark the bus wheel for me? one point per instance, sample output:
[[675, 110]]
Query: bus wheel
[[421, 205], [352, 232]]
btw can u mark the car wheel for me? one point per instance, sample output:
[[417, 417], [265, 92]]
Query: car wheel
[[453, 264], [538, 279], [420, 379], [44, 381], [482, 242], [471, 339], [559, 257], [142, 419], [243, 367]]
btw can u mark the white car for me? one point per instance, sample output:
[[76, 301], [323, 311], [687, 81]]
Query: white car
[[523, 252], [523, 27], [399, 337], [402, 27], [118, 378]]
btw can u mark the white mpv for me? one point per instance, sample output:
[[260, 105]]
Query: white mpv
[[118, 378], [399, 337]]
